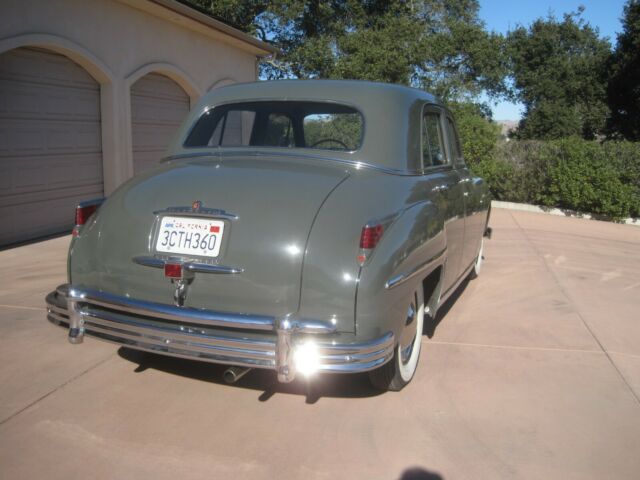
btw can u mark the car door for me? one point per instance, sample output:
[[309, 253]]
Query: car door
[[446, 187], [472, 192]]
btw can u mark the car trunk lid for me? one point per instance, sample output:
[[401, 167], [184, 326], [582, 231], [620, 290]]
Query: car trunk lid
[[267, 205]]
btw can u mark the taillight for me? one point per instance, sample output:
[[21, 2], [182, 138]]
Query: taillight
[[83, 213], [369, 238], [84, 210]]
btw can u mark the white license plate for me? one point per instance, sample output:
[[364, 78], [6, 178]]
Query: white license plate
[[190, 236]]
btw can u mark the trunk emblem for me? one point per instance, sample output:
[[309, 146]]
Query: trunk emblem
[[196, 206]]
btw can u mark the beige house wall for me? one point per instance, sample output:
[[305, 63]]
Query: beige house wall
[[120, 41]]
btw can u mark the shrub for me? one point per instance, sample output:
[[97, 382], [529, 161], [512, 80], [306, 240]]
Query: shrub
[[581, 175], [601, 178]]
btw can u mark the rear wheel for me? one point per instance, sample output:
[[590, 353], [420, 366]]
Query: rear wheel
[[399, 371]]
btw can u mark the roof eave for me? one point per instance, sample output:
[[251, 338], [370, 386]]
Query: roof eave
[[232, 35]]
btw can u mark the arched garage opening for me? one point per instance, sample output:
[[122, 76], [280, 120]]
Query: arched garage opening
[[158, 106], [50, 142]]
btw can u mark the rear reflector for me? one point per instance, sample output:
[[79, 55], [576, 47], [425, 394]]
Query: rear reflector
[[370, 236], [173, 270]]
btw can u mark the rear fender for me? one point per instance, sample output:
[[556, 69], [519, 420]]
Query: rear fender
[[409, 251]]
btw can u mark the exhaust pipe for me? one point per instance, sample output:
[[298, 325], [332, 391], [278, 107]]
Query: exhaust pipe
[[233, 374]]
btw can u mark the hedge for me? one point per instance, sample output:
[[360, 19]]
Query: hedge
[[601, 178]]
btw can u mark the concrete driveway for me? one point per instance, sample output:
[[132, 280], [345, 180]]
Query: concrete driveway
[[533, 371]]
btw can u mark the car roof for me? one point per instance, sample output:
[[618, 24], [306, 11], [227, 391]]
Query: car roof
[[349, 91], [391, 114]]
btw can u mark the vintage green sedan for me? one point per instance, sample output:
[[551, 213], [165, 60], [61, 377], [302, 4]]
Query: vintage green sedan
[[298, 226]]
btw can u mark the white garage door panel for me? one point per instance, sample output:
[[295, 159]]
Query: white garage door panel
[[158, 106], [50, 143], [68, 171], [48, 102], [44, 137]]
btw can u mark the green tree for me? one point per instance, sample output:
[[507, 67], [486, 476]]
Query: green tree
[[559, 72], [623, 91], [439, 45]]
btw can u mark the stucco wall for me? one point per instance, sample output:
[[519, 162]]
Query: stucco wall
[[118, 42]]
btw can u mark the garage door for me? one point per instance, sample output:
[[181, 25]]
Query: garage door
[[158, 106], [50, 144]]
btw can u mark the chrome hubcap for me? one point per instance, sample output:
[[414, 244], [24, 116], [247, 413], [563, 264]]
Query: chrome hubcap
[[409, 333]]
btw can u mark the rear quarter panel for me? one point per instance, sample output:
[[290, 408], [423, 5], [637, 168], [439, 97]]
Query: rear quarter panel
[[333, 283]]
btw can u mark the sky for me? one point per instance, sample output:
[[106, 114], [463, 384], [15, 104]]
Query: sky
[[504, 15]]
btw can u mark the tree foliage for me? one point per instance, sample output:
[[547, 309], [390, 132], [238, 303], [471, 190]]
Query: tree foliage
[[439, 45], [559, 69], [559, 72], [624, 84]]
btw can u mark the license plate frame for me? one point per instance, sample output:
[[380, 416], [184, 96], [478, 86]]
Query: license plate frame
[[189, 236]]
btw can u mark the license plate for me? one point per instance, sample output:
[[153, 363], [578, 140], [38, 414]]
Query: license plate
[[190, 236]]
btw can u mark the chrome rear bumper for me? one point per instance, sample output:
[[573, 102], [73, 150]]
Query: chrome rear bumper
[[227, 338]]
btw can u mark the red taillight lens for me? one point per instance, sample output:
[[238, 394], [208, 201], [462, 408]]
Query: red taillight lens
[[173, 270], [370, 236], [84, 212]]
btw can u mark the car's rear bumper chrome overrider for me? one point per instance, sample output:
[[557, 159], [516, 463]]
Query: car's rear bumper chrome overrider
[[253, 341]]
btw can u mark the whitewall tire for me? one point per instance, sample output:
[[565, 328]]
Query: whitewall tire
[[398, 372]]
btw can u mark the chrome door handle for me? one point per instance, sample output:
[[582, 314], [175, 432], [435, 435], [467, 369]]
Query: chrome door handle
[[440, 188], [465, 180]]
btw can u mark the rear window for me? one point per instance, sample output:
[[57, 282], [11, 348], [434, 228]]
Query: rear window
[[285, 124]]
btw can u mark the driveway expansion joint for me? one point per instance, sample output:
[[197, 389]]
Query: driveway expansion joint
[[23, 307], [576, 309], [59, 387], [514, 347]]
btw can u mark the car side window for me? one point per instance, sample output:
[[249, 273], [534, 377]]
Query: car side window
[[433, 151], [233, 129], [454, 142]]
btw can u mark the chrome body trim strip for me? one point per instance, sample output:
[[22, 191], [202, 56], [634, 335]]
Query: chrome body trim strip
[[252, 341], [190, 266], [147, 261], [403, 277], [279, 153], [200, 212], [206, 268]]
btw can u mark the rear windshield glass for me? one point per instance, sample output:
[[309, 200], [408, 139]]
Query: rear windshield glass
[[279, 124]]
